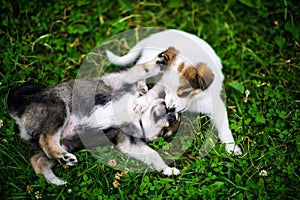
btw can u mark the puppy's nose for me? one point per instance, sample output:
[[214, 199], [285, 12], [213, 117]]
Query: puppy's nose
[[171, 118], [171, 110]]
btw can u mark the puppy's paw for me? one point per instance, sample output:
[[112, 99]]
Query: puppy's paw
[[68, 159], [57, 182], [141, 104], [233, 149], [168, 171], [143, 88], [51, 178]]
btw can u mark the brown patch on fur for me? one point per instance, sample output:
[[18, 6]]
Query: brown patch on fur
[[205, 74], [181, 66], [199, 77], [185, 91], [51, 147], [145, 67], [40, 163], [171, 54], [167, 57], [190, 75]]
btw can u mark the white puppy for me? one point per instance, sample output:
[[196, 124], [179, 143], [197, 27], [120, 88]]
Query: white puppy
[[192, 81]]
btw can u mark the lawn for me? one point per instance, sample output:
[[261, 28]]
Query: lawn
[[259, 44]]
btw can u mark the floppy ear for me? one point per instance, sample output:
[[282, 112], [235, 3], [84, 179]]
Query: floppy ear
[[204, 76]]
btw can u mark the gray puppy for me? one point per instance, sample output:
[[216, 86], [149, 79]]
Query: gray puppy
[[100, 109]]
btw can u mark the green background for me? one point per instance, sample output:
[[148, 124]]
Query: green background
[[258, 42]]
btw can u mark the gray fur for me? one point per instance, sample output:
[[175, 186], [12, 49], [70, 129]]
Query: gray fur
[[44, 115]]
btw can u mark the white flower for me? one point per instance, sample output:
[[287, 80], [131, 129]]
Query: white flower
[[263, 173], [247, 92]]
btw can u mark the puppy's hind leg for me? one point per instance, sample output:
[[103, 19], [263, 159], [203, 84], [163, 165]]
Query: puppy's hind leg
[[42, 165], [50, 143]]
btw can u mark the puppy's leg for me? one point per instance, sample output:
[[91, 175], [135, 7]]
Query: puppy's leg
[[220, 119], [140, 151], [42, 165], [50, 143]]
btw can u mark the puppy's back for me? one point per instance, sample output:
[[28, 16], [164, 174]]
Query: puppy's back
[[18, 98]]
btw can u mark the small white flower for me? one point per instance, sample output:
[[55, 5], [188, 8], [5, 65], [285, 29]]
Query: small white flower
[[37, 195], [263, 173], [1, 123], [247, 92]]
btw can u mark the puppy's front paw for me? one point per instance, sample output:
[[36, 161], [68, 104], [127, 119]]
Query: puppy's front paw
[[233, 148], [68, 159], [143, 88], [57, 182], [171, 171], [141, 104]]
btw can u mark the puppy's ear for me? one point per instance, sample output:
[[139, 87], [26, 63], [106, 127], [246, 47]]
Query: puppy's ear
[[205, 76]]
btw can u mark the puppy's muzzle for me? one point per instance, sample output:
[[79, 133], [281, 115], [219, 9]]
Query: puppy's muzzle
[[171, 116]]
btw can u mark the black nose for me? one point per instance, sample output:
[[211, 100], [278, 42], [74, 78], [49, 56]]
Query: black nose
[[171, 118], [171, 110]]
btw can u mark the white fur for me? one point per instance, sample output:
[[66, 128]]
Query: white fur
[[113, 113], [192, 50], [51, 178], [134, 74], [143, 152], [122, 111]]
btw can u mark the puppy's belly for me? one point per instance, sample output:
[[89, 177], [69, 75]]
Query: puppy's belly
[[69, 130]]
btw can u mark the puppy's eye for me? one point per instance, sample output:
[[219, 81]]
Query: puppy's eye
[[161, 55]]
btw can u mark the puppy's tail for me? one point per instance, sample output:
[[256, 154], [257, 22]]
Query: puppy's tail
[[18, 98], [127, 59]]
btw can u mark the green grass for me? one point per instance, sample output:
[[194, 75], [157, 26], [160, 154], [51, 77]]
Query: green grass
[[258, 42]]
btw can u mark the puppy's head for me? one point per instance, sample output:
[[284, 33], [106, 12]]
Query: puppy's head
[[185, 82], [160, 63], [167, 58], [157, 120]]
